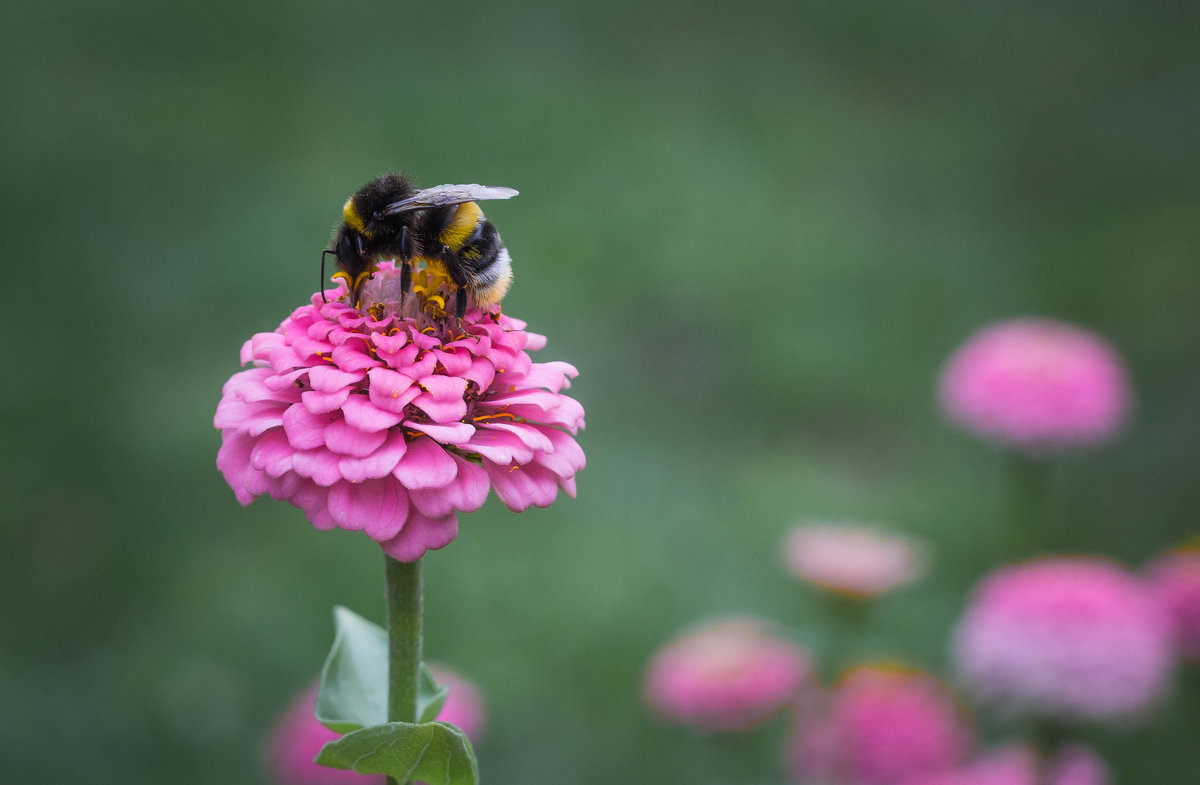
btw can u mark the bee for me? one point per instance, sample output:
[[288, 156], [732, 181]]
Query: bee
[[443, 225]]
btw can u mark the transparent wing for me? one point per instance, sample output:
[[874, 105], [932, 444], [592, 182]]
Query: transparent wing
[[442, 195]]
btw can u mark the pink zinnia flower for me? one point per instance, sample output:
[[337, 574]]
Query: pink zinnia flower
[[1175, 578], [1036, 385], [464, 703], [390, 423], [877, 726], [860, 561], [728, 674], [296, 739], [1067, 637], [1018, 765]]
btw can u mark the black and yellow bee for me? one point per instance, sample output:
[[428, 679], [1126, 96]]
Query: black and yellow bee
[[443, 225]]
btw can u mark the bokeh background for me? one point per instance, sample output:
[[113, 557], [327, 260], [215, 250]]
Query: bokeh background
[[757, 229]]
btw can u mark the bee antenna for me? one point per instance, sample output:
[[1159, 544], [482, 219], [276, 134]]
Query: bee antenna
[[323, 275]]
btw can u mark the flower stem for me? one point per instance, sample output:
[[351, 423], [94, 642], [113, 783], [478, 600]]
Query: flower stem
[[1029, 505], [847, 622], [404, 640]]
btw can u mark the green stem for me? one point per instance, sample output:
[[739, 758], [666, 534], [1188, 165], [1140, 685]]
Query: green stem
[[404, 640], [847, 622], [1029, 505]]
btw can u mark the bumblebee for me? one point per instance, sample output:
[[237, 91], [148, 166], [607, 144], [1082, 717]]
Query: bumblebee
[[440, 226]]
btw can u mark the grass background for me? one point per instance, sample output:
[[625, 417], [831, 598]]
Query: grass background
[[757, 229]]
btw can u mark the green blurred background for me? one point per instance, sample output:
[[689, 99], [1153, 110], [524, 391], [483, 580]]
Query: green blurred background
[[756, 228]]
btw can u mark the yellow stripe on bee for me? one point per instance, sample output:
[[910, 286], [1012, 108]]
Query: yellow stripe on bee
[[461, 225], [494, 293], [351, 216]]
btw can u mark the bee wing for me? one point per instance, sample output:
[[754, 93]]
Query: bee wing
[[442, 195]]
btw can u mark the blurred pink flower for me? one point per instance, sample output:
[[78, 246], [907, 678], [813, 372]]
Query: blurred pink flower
[[878, 726], [297, 736], [1036, 385], [1019, 765], [728, 674], [860, 561], [296, 739], [390, 425], [464, 704], [1068, 637], [1175, 578]]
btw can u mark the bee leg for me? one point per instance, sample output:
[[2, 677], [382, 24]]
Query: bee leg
[[406, 249], [405, 280], [460, 304]]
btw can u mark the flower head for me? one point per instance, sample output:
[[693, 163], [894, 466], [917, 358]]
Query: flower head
[[296, 739], [391, 418], [1018, 765], [1066, 637], [464, 703], [728, 674], [1036, 385], [860, 561], [877, 726], [1175, 579]]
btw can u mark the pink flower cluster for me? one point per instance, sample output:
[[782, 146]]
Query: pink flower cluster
[[1175, 579], [1036, 385], [728, 674], [1073, 765], [297, 736], [1066, 637], [390, 422], [860, 561], [878, 726]]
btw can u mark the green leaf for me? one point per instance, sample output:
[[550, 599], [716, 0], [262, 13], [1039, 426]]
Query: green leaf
[[432, 752], [430, 697], [354, 681]]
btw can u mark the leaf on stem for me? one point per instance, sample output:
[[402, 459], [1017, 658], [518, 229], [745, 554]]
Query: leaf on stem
[[354, 681], [433, 752]]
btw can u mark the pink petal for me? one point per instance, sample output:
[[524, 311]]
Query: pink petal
[[421, 534], [455, 362], [456, 433], [327, 379], [498, 446], [322, 402], [542, 399], [390, 390], [389, 343], [313, 499], [529, 436], [520, 487], [378, 507], [344, 438], [566, 457], [467, 492], [273, 454], [378, 464], [365, 416], [482, 372], [321, 466], [443, 398], [233, 459], [304, 429], [425, 465], [280, 382], [553, 376], [352, 356]]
